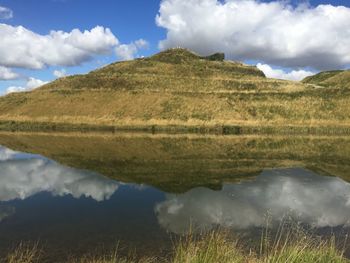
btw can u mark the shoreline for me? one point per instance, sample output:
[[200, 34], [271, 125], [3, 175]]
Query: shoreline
[[224, 129]]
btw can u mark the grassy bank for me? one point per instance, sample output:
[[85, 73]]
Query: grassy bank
[[218, 247], [29, 126]]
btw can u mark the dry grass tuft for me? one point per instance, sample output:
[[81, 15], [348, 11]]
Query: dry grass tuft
[[24, 253], [212, 247], [288, 246]]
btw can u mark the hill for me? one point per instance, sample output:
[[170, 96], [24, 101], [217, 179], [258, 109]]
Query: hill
[[336, 78], [173, 89]]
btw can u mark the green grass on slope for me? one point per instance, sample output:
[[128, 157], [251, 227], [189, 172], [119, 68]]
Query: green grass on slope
[[320, 77], [335, 79]]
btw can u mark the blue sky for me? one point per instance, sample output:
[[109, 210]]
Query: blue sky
[[131, 20], [128, 19]]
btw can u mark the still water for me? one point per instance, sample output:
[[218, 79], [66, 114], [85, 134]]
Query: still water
[[86, 193]]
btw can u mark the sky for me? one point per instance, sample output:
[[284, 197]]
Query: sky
[[41, 40]]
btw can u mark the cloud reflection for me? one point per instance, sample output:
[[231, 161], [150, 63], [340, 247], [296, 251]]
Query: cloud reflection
[[6, 211], [315, 200], [22, 177], [6, 154]]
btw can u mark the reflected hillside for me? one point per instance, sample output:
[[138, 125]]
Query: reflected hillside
[[178, 163]]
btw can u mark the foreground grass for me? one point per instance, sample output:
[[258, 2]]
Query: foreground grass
[[24, 253], [292, 246], [287, 247]]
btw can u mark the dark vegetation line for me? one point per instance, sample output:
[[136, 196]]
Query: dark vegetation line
[[28, 126]]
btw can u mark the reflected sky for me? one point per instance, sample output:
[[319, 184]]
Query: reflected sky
[[305, 196], [24, 175], [6, 211], [43, 200], [6, 154]]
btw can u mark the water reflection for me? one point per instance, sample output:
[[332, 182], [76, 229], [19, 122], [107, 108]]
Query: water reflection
[[6, 211], [24, 175], [137, 214], [7, 154], [307, 197]]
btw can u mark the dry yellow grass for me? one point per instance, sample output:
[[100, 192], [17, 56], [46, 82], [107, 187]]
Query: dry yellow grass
[[289, 246], [24, 253], [178, 88], [336, 78]]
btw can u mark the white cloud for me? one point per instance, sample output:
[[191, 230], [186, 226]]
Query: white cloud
[[129, 52], [141, 44], [20, 47], [274, 32], [7, 74], [31, 84], [281, 74], [22, 178], [60, 73], [308, 198], [126, 52], [5, 13]]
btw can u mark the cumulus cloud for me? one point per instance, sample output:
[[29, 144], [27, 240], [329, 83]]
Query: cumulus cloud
[[295, 75], [309, 198], [31, 84], [126, 52], [141, 44], [25, 177], [5, 13], [60, 73], [20, 47], [7, 74], [129, 51], [273, 32]]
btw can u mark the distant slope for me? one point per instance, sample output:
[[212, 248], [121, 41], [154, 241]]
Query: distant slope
[[177, 88], [336, 78]]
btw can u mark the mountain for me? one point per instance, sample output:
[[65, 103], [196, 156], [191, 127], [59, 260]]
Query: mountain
[[335, 78], [176, 89]]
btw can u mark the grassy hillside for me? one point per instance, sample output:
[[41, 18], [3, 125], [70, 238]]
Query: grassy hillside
[[336, 78], [177, 87], [177, 163]]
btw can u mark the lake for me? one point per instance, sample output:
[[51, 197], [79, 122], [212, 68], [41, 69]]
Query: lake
[[77, 193]]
